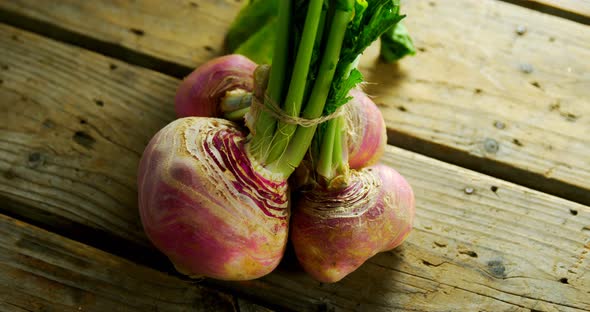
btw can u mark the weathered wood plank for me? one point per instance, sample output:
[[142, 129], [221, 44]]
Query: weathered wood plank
[[63, 111], [581, 7], [478, 93], [480, 243], [576, 10], [481, 95], [503, 101], [41, 271], [246, 306], [185, 32]]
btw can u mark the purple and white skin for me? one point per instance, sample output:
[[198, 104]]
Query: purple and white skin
[[334, 231], [223, 88], [202, 91], [206, 205], [367, 134]]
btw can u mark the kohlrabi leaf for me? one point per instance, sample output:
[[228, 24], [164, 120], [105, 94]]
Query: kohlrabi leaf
[[378, 16], [375, 17], [252, 32], [250, 20], [396, 43], [260, 45], [339, 96]]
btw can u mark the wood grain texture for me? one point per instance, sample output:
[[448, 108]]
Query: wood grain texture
[[63, 111], [478, 90], [576, 10], [581, 7], [478, 94], [185, 32], [41, 271], [480, 243]]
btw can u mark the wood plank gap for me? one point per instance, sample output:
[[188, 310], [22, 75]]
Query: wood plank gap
[[552, 10], [101, 240], [488, 167], [42, 271], [501, 72], [117, 247], [110, 49], [403, 140], [453, 250]]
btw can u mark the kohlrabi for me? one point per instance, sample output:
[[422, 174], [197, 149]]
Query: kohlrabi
[[214, 196]]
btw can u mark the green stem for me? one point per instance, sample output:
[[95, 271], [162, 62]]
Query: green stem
[[301, 141], [340, 154], [266, 123], [294, 99], [324, 166], [333, 159], [332, 143]]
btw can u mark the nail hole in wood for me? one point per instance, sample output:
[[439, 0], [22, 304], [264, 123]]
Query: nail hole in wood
[[526, 68], [564, 280], [84, 139], [499, 125], [137, 32], [9, 174], [35, 160], [48, 123], [34, 157], [497, 268], [521, 30], [440, 244], [517, 142], [469, 253]]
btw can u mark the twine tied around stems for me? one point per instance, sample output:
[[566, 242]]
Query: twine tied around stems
[[279, 114]]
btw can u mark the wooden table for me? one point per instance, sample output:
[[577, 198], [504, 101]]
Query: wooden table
[[490, 123]]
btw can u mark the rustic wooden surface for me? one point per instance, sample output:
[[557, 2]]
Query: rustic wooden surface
[[41, 271], [581, 7], [468, 96], [577, 10], [61, 140], [500, 88], [75, 123]]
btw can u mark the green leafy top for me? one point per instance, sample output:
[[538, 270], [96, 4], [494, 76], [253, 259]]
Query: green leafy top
[[316, 50], [371, 20], [396, 43], [253, 32], [250, 20]]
